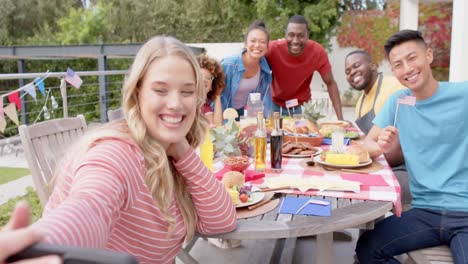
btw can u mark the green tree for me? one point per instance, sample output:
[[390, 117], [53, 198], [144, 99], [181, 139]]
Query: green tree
[[322, 16], [21, 19]]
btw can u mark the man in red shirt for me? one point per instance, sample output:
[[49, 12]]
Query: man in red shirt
[[293, 61]]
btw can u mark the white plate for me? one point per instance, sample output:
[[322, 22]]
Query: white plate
[[319, 151], [255, 197], [319, 161]]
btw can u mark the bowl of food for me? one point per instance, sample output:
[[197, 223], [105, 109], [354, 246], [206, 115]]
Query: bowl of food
[[237, 163]]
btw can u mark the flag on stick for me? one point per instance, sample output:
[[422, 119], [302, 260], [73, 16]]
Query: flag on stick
[[73, 79], [407, 100], [292, 103]]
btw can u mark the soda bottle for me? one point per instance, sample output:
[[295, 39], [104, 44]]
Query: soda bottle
[[276, 144]]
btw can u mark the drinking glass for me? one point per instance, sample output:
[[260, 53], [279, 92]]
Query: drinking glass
[[337, 140]]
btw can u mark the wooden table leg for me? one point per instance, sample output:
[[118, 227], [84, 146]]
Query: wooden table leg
[[324, 253]]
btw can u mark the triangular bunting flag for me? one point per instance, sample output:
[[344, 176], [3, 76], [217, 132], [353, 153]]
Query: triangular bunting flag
[[31, 90], [10, 111], [2, 124], [40, 84], [14, 98], [2, 117]]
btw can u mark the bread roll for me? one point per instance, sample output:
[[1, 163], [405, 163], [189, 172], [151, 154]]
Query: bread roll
[[233, 179], [360, 151]]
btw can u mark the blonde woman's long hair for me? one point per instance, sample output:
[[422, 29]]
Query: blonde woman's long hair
[[162, 179]]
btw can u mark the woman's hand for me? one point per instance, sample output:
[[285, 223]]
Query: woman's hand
[[178, 150], [16, 236]]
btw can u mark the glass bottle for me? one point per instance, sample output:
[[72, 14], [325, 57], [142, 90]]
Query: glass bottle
[[260, 144], [276, 144], [254, 104]]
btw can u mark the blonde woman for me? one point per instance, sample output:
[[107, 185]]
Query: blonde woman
[[136, 185]]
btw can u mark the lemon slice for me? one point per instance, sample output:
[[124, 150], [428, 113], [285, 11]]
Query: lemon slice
[[230, 113]]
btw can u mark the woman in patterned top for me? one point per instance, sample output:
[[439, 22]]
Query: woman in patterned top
[[213, 77], [136, 185]]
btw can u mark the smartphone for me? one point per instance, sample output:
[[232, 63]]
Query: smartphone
[[74, 255]]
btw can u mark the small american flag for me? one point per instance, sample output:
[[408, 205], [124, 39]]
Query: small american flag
[[300, 123], [73, 79], [292, 103], [407, 100]]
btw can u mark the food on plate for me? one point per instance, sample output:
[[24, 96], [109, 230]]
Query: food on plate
[[359, 151], [234, 195], [341, 159], [340, 123], [230, 113], [233, 179], [244, 197], [290, 126], [240, 195], [347, 134], [299, 148], [328, 130]]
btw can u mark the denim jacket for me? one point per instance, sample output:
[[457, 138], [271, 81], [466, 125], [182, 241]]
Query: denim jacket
[[234, 70]]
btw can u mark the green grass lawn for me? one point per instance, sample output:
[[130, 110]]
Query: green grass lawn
[[10, 174]]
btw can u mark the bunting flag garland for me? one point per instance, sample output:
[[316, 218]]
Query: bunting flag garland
[[40, 85], [14, 98], [10, 111], [2, 117], [73, 79], [31, 90]]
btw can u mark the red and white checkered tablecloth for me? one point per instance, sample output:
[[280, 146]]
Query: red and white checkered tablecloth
[[381, 185]]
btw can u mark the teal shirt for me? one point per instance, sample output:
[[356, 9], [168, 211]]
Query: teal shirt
[[434, 140]]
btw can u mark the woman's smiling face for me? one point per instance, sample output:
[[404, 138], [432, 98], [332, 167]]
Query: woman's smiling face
[[168, 99]]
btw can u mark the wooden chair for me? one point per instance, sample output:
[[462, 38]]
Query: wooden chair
[[439, 255], [43, 143]]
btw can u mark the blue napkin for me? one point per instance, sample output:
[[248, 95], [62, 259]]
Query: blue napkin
[[290, 205], [328, 141]]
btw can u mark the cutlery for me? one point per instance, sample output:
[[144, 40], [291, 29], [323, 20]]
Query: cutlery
[[312, 201], [266, 189]]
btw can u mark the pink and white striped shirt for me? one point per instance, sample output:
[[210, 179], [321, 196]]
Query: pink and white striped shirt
[[108, 205]]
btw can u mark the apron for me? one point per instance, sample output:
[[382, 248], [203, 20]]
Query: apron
[[365, 122]]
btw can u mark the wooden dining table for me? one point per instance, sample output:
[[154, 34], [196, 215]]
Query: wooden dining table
[[379, 194]]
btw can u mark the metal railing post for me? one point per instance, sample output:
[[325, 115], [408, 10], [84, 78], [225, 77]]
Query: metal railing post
[[103, 97], [24, 116]]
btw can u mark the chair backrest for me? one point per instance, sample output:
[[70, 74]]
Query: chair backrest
[[44, 143], [116, 114]]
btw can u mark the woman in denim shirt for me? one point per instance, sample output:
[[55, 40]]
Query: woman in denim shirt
[[248, 72]]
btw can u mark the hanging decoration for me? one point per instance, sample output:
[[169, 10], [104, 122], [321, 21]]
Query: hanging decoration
[[2, 117], [14, 97]]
